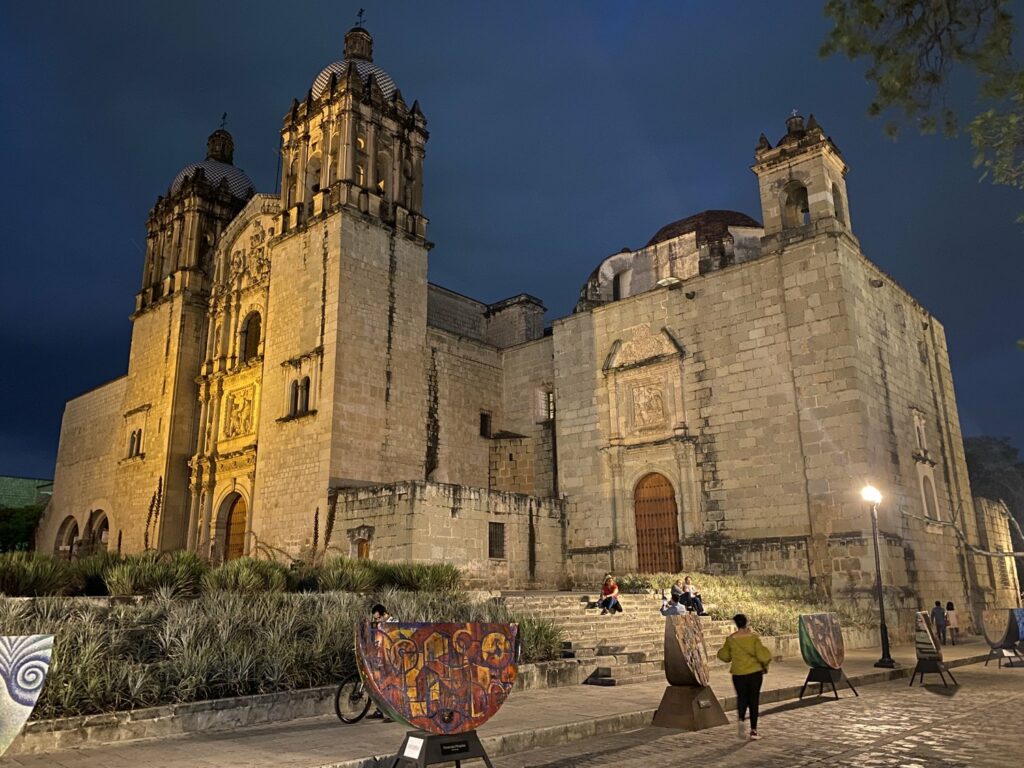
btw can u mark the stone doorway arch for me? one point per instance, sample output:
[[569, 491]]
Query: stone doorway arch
[[657, 526], [235, 515], [66, 542]]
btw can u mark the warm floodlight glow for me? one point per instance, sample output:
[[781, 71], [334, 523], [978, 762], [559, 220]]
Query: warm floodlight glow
[[871, 494]]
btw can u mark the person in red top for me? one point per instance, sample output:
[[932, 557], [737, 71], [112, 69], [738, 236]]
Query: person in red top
[[609, 602]]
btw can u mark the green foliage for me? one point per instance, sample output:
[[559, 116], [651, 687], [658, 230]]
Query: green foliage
[[417, 577], [248, 575], [166, 650], [771, 603], [914, 48], [347, 575], [23, 574], [92, 572], [17, 527], [541, 639], [180, 572]]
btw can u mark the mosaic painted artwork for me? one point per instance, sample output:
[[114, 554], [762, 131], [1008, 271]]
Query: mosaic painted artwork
[[821, 640], [686, 656], [24, 661], [1002, 627], [1018, 614], [926, 641], [441, 678]]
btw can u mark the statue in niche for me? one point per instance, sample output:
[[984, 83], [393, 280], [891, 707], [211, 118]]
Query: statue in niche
[[648, 406]]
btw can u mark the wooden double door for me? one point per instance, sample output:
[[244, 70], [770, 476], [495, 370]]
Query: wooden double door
[[657, 525]]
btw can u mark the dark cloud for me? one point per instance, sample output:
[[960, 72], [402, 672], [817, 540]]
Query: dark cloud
[[559, 133]]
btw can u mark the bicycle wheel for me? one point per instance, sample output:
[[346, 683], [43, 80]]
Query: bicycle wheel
[[351, 700]]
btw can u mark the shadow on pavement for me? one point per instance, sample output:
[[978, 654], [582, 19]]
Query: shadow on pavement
[[810, 701]]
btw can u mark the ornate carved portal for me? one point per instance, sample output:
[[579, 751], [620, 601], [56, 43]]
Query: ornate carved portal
[[234, 541], [657, 529]]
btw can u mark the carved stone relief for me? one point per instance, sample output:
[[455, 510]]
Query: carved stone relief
[[648, 406], [643, 345], [238, 412]]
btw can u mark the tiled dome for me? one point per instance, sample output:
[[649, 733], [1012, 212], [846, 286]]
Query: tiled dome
[[239, 183], [363, 67]]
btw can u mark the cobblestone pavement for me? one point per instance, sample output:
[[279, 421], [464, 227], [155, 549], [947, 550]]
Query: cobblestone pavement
[[890, 725]]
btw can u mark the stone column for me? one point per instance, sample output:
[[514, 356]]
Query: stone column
[[690, 516]]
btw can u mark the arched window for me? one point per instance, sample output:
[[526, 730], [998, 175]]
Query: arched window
[[621, 283], [291, 185], [796, 211], [293, 400], [312, 176], [304, 395], [837, 202], [132, 445], [382, 171], [930, 505], [251, 337]]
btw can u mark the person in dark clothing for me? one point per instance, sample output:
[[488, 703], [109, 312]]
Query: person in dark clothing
[[939, 620]]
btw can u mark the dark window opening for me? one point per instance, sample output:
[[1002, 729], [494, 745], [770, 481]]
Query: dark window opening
[[251, 337], [304, 395], [496, 541], [485, 424], [617, 287], [293, 404]]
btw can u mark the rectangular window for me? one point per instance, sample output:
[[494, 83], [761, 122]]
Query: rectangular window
[[549, 406], [496, 541], [485, 424]]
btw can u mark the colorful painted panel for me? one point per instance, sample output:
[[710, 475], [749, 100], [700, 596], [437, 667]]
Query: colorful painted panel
[[1002, 627], [821, 640], [441, 678], [24, 661], [686, 656], [1018, 614], [926, 641]]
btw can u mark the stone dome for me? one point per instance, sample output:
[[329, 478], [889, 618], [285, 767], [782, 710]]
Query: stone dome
[[239, 183], [710, 226]]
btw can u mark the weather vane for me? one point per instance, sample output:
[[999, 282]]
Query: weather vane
[[224, 120], [359, 17]]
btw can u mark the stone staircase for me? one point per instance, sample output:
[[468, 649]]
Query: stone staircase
[[620, 648]]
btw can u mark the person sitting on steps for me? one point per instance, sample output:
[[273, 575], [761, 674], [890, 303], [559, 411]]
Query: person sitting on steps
[[692, 597], [609, 602]]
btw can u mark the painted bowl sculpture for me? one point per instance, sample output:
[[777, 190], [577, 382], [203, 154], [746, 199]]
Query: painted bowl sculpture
[[440, 678], [821, 640], [24, 661], [1004, 627], [926, 642], [686, 656]]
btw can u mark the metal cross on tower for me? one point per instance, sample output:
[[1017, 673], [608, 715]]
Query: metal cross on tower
[[359, 17]]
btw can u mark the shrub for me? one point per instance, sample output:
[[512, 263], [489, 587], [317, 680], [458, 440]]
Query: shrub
[[92, 572], [540, 638], [346, 575], [418, 577], [180, 572], [27, 574], [246, 574]]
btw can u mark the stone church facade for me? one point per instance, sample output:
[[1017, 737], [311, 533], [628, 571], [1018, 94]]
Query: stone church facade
[[716, 401]]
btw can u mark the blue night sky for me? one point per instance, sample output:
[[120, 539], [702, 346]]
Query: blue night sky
[[560, 132]]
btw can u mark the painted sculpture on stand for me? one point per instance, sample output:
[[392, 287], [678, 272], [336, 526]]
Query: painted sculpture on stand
[[24, 662], [929, 650], [823, 649], [688, 701], [443, 680], [1004, 632]]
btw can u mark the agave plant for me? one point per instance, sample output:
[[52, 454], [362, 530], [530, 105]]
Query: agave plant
[[249, 575], [27, 574]]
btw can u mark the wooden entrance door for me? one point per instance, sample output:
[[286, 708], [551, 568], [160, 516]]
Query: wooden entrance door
[[235, 529], [657, 527]]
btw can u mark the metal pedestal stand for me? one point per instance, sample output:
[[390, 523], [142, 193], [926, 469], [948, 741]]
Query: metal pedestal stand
[[1015, 659], [822, 675], [421, 749], [690, 707], [932, 665]]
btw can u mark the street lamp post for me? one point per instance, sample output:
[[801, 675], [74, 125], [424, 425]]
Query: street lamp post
[[872, 495]]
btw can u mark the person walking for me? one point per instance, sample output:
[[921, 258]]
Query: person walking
[[939, 620], [952, 623], [748, 662]]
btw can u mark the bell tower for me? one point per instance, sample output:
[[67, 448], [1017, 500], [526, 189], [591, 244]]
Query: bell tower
[[802, 181], [353, 142]]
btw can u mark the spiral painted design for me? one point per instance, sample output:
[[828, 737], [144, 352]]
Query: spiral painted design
[[24, 661]]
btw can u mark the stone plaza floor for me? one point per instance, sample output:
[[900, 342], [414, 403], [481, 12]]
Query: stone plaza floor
[[891, 725], [588, 725]]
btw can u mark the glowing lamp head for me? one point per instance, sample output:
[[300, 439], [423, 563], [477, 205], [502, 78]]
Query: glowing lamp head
[[871, 494]]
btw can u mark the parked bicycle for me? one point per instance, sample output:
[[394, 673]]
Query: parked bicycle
[[352, 700]]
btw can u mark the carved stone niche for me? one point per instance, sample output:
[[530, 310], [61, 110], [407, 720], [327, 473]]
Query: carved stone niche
[[643, 373], [239, 415]]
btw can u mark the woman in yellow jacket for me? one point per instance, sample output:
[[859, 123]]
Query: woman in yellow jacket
[[749, 660]]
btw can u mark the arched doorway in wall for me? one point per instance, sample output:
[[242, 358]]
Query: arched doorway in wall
[[657, 526], [234, 527], [67, 538], [98, 534]]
